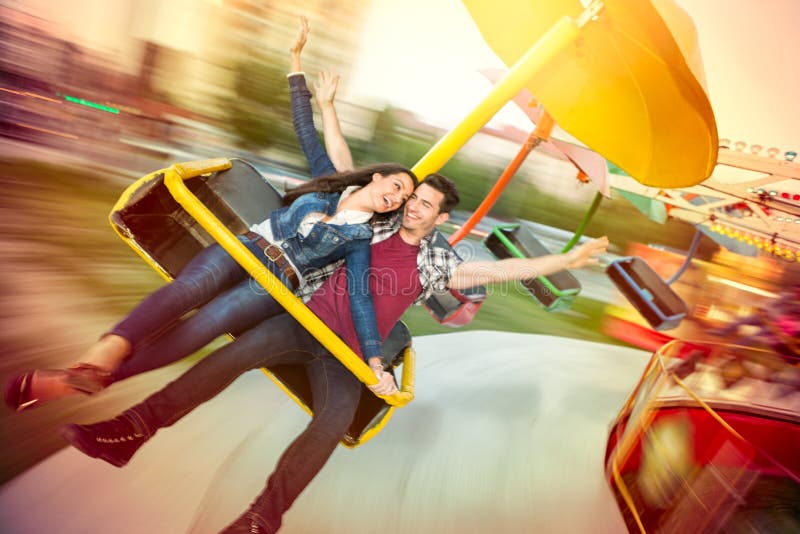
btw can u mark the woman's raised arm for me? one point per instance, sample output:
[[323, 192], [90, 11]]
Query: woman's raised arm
[[325, 89], [302, 115]]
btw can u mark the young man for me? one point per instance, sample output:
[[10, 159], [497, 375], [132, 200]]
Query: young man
[[396, 282]]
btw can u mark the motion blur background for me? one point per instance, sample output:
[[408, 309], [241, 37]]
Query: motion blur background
[[96, 93]]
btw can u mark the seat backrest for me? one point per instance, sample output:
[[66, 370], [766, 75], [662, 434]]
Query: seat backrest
[[245, 192], [156, 223], [396, 341]]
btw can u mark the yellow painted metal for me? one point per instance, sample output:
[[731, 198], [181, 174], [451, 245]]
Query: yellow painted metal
[[623, 85], [538, 55], [173, 179], [409, 370]]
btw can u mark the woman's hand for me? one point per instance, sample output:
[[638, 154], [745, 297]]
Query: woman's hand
[[297, 48], [385, 385], [335, 143], [325, 88]]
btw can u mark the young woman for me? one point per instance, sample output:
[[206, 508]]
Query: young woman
[[323, 221]]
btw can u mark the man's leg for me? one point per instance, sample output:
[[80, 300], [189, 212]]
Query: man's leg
[[336, 396], [278, 340]]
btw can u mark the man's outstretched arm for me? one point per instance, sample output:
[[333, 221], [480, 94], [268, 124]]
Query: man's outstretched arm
[[473, 273]]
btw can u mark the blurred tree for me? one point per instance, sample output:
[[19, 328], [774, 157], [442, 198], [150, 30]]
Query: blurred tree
[[259, 115], [391, 141]]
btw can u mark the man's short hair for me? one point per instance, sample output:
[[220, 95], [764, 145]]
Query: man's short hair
[[446, 187]]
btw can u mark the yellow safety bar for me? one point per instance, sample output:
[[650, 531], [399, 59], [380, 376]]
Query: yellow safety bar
[[562, 33], [174, 177]]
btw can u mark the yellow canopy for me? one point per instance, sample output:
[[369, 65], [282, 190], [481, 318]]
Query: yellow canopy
[[623, 86]]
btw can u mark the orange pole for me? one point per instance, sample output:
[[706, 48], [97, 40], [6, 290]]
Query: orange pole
[[542, 132]]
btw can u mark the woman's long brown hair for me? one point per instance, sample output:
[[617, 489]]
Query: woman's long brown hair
[[336, 183]]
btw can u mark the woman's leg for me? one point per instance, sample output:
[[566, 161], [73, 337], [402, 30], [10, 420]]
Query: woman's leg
[[234, 311], [209, 273]]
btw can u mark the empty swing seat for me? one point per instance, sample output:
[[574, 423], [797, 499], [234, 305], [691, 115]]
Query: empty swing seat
[[554, 291], [455, 307], [647, 292]]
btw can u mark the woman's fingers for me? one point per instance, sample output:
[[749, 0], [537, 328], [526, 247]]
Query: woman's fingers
[[385, 385], [326, 85], [302, 37]]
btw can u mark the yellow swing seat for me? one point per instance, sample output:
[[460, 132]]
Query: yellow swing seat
[[170, 215]]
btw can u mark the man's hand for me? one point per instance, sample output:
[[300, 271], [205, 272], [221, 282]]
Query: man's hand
[[325, 88], [587, 253], [385, 385], [473, 273], [297, 48]]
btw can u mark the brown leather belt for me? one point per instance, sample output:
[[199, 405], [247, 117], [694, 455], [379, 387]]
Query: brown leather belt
[[275, 255]]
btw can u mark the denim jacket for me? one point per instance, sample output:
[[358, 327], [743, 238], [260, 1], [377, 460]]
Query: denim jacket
[[303, 122], [325, 243], [328, 243]]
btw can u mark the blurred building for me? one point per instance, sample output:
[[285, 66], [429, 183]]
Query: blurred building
[[157, 76]]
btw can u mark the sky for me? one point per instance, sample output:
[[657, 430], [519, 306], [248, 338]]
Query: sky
[[424, 55]]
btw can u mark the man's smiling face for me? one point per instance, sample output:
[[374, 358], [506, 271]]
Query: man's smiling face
[[422, 211]]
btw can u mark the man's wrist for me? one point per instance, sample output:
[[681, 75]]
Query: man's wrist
[[567, 259]]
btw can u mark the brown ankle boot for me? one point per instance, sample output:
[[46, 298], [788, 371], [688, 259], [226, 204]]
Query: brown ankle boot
[[113, 441]]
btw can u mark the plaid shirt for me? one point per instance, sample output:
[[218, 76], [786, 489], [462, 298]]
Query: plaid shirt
[[436, 262]]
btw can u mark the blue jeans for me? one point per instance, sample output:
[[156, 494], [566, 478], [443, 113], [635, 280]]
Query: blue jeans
[[229, 301], [280, 340]]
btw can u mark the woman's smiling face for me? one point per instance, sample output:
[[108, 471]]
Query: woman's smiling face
[[389, 192]]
